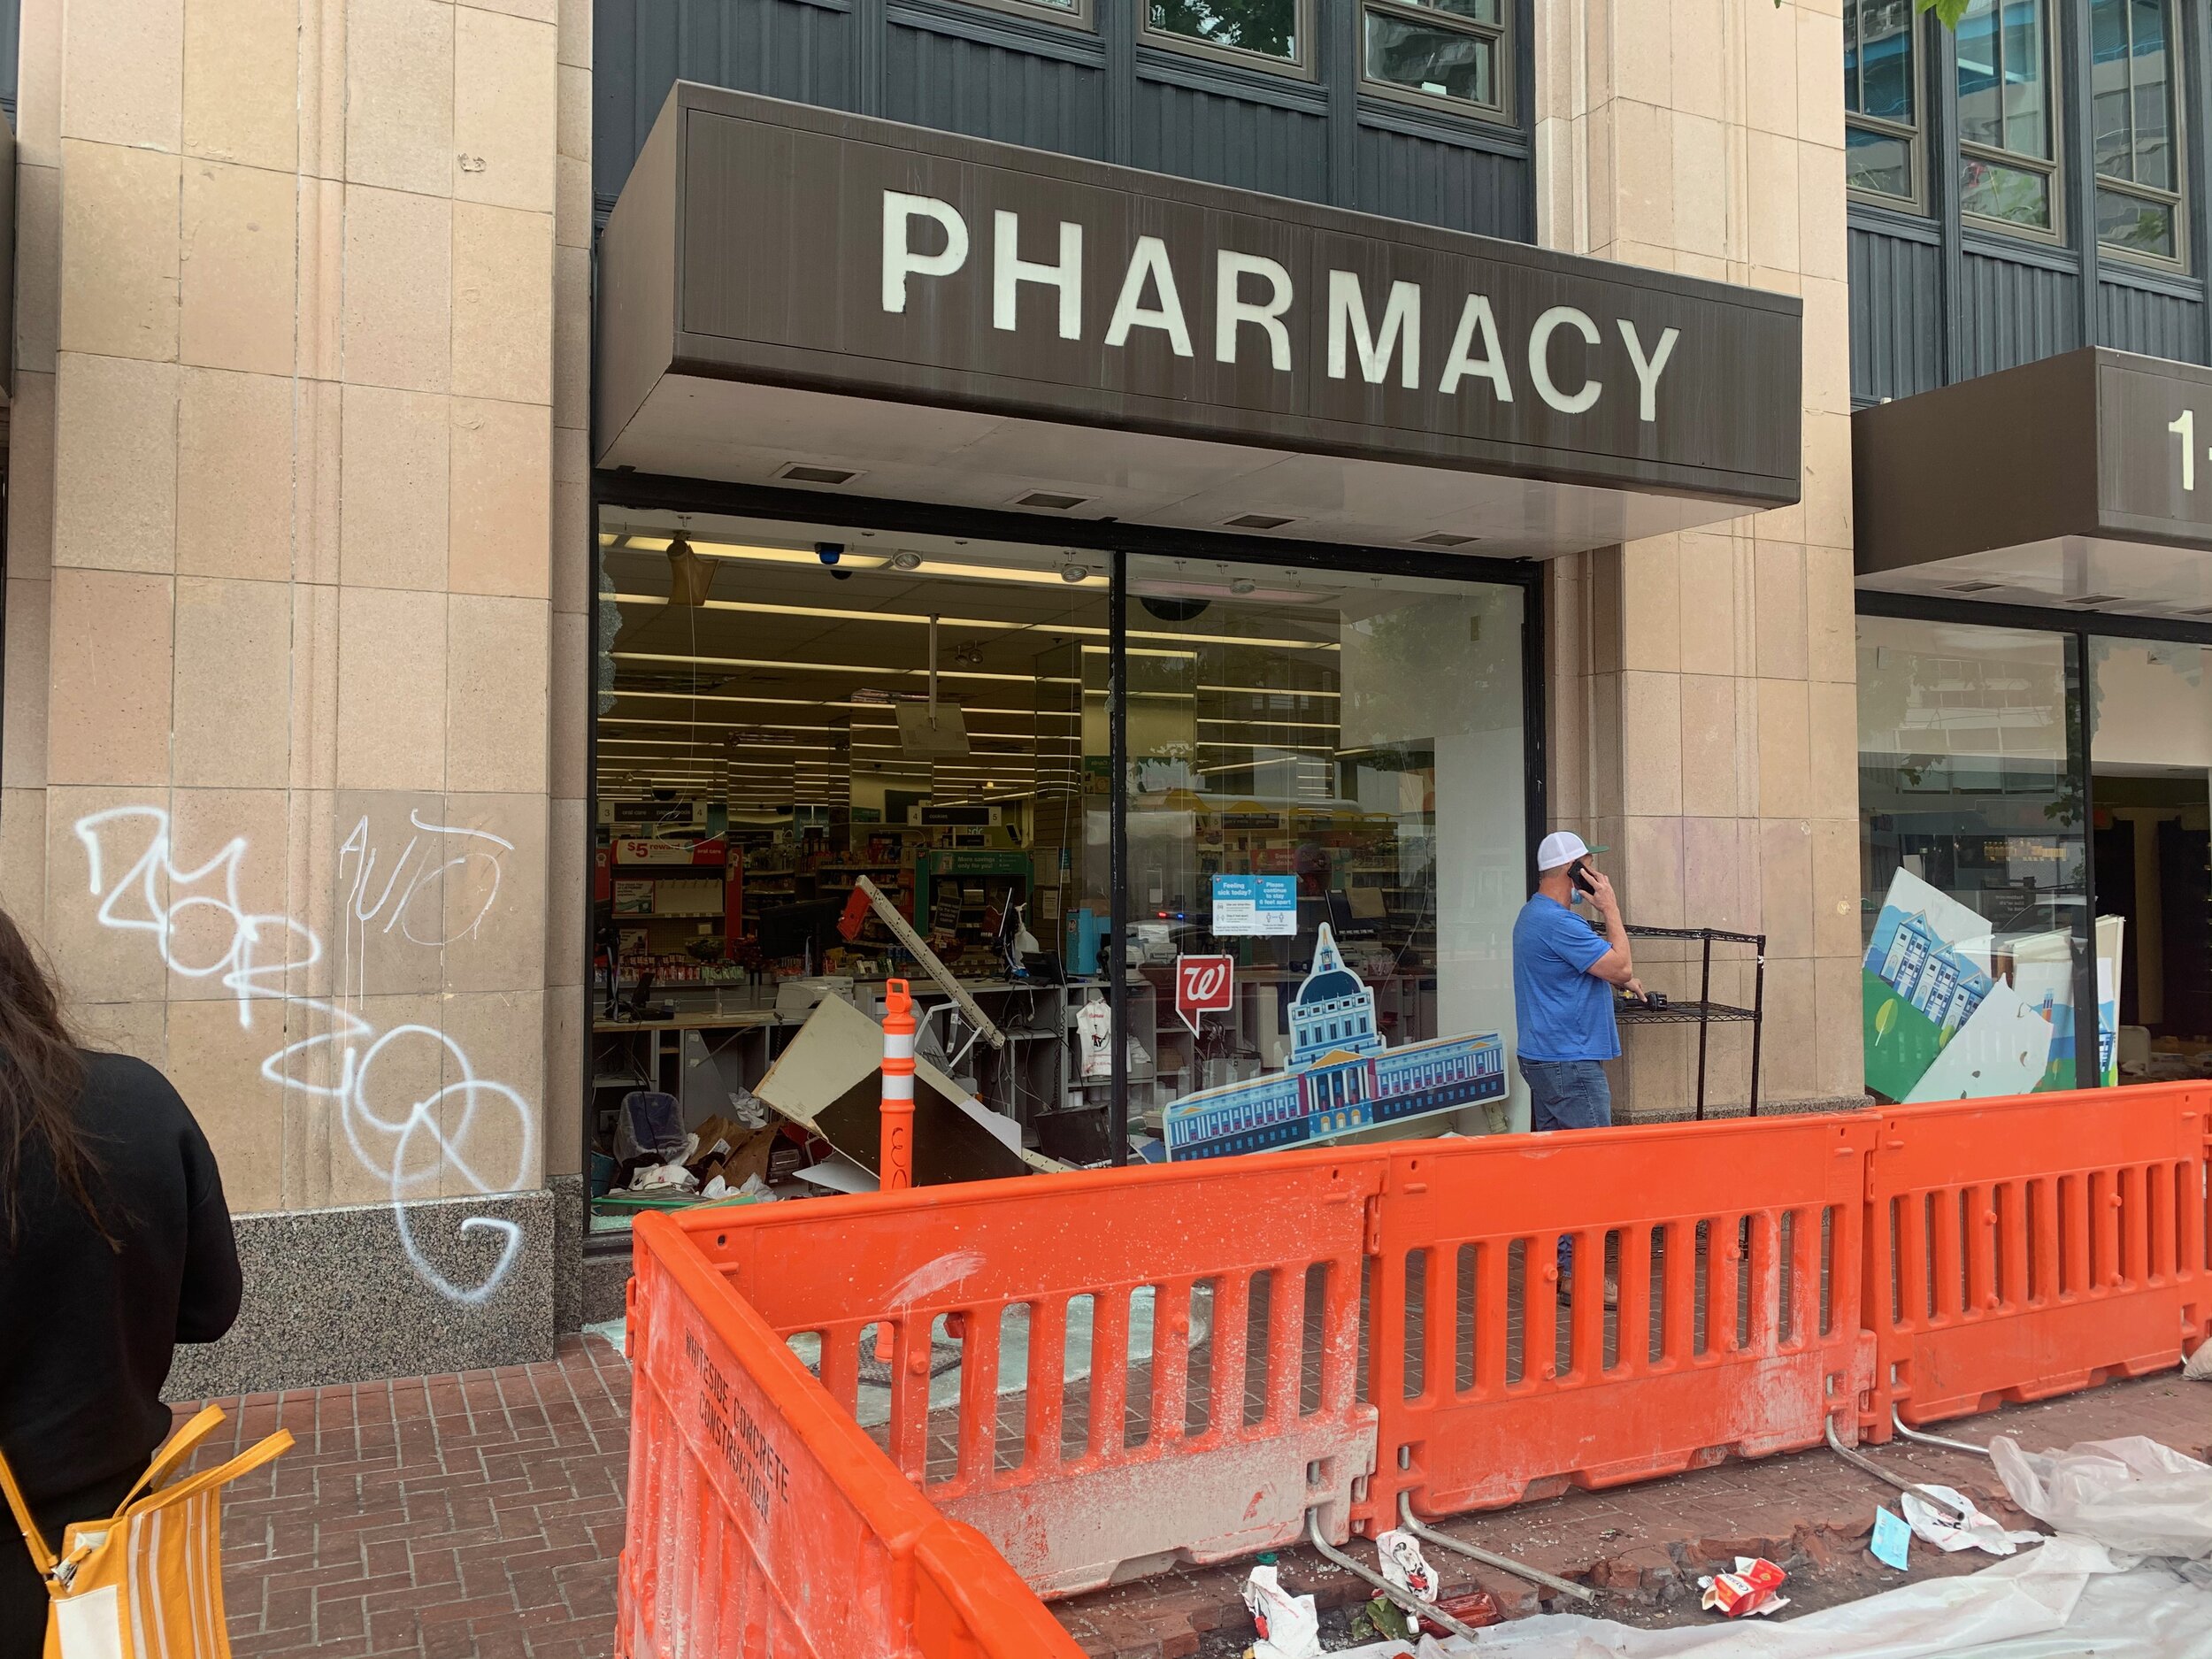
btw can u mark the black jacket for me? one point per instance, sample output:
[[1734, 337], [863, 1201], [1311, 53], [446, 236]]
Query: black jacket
[[86, 1330]]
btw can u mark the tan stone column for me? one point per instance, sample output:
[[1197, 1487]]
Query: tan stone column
[[1702, 705], [281, 766]]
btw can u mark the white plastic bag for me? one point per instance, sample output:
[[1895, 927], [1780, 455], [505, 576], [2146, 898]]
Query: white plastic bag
[[1404, 1565], [2133, 1496], [1948, 1532], [1287, 1624]]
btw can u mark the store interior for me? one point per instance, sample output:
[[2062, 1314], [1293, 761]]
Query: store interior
[[788, 713]]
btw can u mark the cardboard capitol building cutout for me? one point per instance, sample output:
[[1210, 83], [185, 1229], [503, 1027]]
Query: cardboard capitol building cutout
[[1341, 1076]]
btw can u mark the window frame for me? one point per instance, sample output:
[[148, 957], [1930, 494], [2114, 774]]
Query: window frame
[[1914, 133], [1304, 66], [1081, 16], [2052, 168], [1505, 44], [2176, 199]]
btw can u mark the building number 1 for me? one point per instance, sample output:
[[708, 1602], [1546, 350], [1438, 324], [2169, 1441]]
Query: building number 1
[[2185, 428]]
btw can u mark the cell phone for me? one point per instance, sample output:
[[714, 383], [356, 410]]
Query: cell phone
[[1582, 877]]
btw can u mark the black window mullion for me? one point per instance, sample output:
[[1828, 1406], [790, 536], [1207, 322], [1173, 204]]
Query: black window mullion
[[1118, 852], [2077, 88], [2088, 1019]]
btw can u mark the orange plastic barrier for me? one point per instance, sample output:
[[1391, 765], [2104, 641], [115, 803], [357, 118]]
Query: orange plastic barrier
[[762, 1524], [1093, 1375], [1179, 1347], [2028, 1247], [1736, 1248]]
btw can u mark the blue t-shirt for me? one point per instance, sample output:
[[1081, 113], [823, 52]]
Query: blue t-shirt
[[1565, 1012]]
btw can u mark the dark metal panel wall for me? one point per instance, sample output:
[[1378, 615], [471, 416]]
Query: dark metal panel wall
[[2157, 322], [1896, 316], [1208, 134], [2014, 312], [799, 50], [1436, 182], [990, 90], [996, 73]]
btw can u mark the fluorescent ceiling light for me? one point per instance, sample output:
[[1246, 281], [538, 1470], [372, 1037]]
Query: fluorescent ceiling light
[[864, 670], [1141, 650], [997, 624], [879, 672], [864, 562], [832, 702]]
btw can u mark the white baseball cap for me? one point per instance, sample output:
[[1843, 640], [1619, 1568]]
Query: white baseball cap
[[1560, 849]]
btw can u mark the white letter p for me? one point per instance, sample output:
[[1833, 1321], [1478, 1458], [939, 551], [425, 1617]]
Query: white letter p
[[899, 260]]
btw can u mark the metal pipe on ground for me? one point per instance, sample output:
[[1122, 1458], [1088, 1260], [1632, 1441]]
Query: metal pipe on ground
[[1868, 1466], [1405, 1599], [1897, 1420], [1428, 1534]]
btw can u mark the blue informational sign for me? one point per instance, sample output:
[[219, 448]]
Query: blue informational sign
[[1256, 905]]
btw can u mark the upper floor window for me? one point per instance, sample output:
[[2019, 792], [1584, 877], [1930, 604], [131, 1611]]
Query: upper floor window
[[1880, 98], [1276, 29], [2131, 113], [1450, 50], [2008, 159]]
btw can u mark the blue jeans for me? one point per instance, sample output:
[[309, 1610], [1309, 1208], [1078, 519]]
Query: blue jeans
[[1567, 1095]]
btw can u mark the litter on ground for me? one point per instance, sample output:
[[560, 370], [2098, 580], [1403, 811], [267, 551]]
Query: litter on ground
[[2126, 1578]]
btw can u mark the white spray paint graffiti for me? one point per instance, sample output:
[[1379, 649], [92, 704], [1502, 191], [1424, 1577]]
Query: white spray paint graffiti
[[417, 1140]]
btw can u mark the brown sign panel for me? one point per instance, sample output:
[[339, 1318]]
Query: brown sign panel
[[2092, 443], [2154, 437], [784, 244]]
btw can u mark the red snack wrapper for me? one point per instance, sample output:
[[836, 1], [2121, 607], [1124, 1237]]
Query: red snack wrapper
[[1749, 1589], [1475, 1608]]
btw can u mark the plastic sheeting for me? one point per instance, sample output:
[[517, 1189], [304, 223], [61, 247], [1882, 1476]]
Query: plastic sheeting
[[2090, 1590], [2133, 1494]]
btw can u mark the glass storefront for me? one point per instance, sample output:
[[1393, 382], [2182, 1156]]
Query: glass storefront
[[2034, 900], [1323, 841], [1973, 895]]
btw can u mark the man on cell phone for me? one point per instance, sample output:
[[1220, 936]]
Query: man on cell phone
[[1564, 970]]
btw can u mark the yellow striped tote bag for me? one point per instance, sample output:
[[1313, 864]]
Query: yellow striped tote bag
[[146, 1583]]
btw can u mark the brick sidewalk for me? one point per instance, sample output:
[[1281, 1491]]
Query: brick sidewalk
[[480, 1515], [446, 1517]]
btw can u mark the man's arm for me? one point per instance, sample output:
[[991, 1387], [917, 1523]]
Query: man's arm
[[1617, 966]]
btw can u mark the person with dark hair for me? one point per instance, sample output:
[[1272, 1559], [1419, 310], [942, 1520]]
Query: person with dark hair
[[115, 1245]]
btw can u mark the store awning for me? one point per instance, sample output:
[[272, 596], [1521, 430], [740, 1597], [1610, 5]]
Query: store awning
[[795, 298], [2083, 481]]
